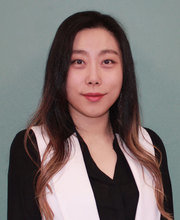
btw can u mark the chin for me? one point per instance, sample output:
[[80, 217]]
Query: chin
[[95, 114], [89, 112]]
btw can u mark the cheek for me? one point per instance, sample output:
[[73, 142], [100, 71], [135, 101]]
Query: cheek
[[73, 84], [116, 82], [115, 88]]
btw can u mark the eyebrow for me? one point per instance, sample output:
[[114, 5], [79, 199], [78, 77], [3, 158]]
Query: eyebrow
[[109, 51], [106, 51], [79, 52]]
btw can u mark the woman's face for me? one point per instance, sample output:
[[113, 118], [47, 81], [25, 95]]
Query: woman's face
[[95, 74]]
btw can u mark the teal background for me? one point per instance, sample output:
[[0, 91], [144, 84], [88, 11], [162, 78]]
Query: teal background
[[27, 29]]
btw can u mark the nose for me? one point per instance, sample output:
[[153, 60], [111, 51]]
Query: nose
[[93, 76]]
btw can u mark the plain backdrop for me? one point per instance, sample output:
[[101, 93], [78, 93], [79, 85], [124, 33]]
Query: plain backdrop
[[27, 29]]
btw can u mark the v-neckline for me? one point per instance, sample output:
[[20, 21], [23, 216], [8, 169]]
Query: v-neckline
[[106, 189], [84, 147]]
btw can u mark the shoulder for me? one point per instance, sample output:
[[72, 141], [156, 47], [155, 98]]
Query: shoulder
[[19, 158], [17, 149], [156, 140], [17, 146], [158, 143]]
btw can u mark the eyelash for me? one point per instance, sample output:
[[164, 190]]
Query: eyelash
[[109, 61], [76, 61], [79, 61]]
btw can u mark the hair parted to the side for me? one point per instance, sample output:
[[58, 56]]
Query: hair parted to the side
[[54, 115]]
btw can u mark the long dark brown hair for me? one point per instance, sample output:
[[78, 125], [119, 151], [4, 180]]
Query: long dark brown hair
[[53, 112]]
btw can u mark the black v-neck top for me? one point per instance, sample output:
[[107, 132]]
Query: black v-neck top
[[116, 198]]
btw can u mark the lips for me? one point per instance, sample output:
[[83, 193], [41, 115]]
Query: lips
[[93, 97]]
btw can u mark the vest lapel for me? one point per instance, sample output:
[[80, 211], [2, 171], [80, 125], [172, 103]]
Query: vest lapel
[[146, 208], [72, 196]]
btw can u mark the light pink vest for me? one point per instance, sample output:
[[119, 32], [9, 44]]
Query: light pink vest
[[73, 198]]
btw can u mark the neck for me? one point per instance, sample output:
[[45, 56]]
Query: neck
[[97, 127]]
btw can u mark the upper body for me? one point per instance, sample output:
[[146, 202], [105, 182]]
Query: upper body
[[90, 88], [23, 205]]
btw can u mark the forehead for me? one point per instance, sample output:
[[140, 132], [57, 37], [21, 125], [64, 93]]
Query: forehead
[[95, 38]]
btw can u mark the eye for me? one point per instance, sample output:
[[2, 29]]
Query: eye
[[108, 61], [77, 61]]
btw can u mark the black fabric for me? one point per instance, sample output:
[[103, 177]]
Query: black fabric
[[116, 198], [168, 202], [22, 204]]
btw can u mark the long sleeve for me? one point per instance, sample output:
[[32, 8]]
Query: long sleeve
[[168, 202], [22, 204]]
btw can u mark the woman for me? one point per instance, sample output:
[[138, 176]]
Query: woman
[[85, 155]]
